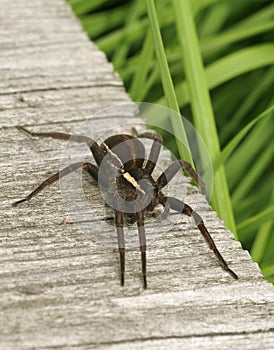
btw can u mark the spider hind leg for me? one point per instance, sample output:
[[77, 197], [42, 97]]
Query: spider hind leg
[[183, 208]]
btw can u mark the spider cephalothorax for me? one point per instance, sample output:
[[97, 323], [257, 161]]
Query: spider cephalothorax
[[126, 182]]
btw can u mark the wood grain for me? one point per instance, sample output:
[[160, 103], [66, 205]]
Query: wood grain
[[60, 278]]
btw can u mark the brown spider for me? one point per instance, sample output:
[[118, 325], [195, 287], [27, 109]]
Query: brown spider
[[124, 175]]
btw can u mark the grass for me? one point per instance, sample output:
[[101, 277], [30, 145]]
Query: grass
[[214, 66]]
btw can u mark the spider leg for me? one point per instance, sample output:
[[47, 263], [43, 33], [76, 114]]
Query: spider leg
[[183, 208], [174, 167], [155, 148], [94, 147], [165, 214], [121, 243], [142, 240], [90, 168]]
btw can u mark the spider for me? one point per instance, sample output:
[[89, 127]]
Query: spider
[[126, 176]]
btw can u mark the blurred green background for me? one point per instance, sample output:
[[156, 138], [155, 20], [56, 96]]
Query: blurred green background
[[211, 60]]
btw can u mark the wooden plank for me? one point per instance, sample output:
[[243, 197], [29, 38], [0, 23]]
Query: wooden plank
[[60, 280]]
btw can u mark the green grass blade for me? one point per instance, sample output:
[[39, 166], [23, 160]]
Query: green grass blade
[[217, 42], [168, 87], [263, 237], [201, 105], [121, 51], [95, 24], [240, 62], [261, 241], [132, 33], [253, 155], [254, 173], [256, 220], [81, 7], [247, 104], [229, 67], [268, 272], [141, 72], [230, 147]]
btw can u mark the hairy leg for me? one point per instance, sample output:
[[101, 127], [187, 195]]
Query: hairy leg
[[92, 170], [142, 240], [155, 148], [121, 243], [94, 147], [183, 208], [171, 171]]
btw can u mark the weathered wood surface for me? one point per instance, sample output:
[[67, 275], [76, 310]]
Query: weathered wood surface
[[60, 284]]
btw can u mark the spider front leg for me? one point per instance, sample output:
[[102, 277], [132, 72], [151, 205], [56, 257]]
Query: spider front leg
[[183, 208], [155, 148], [94, 147], [90, 168], [121, 243], [171, 171]]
